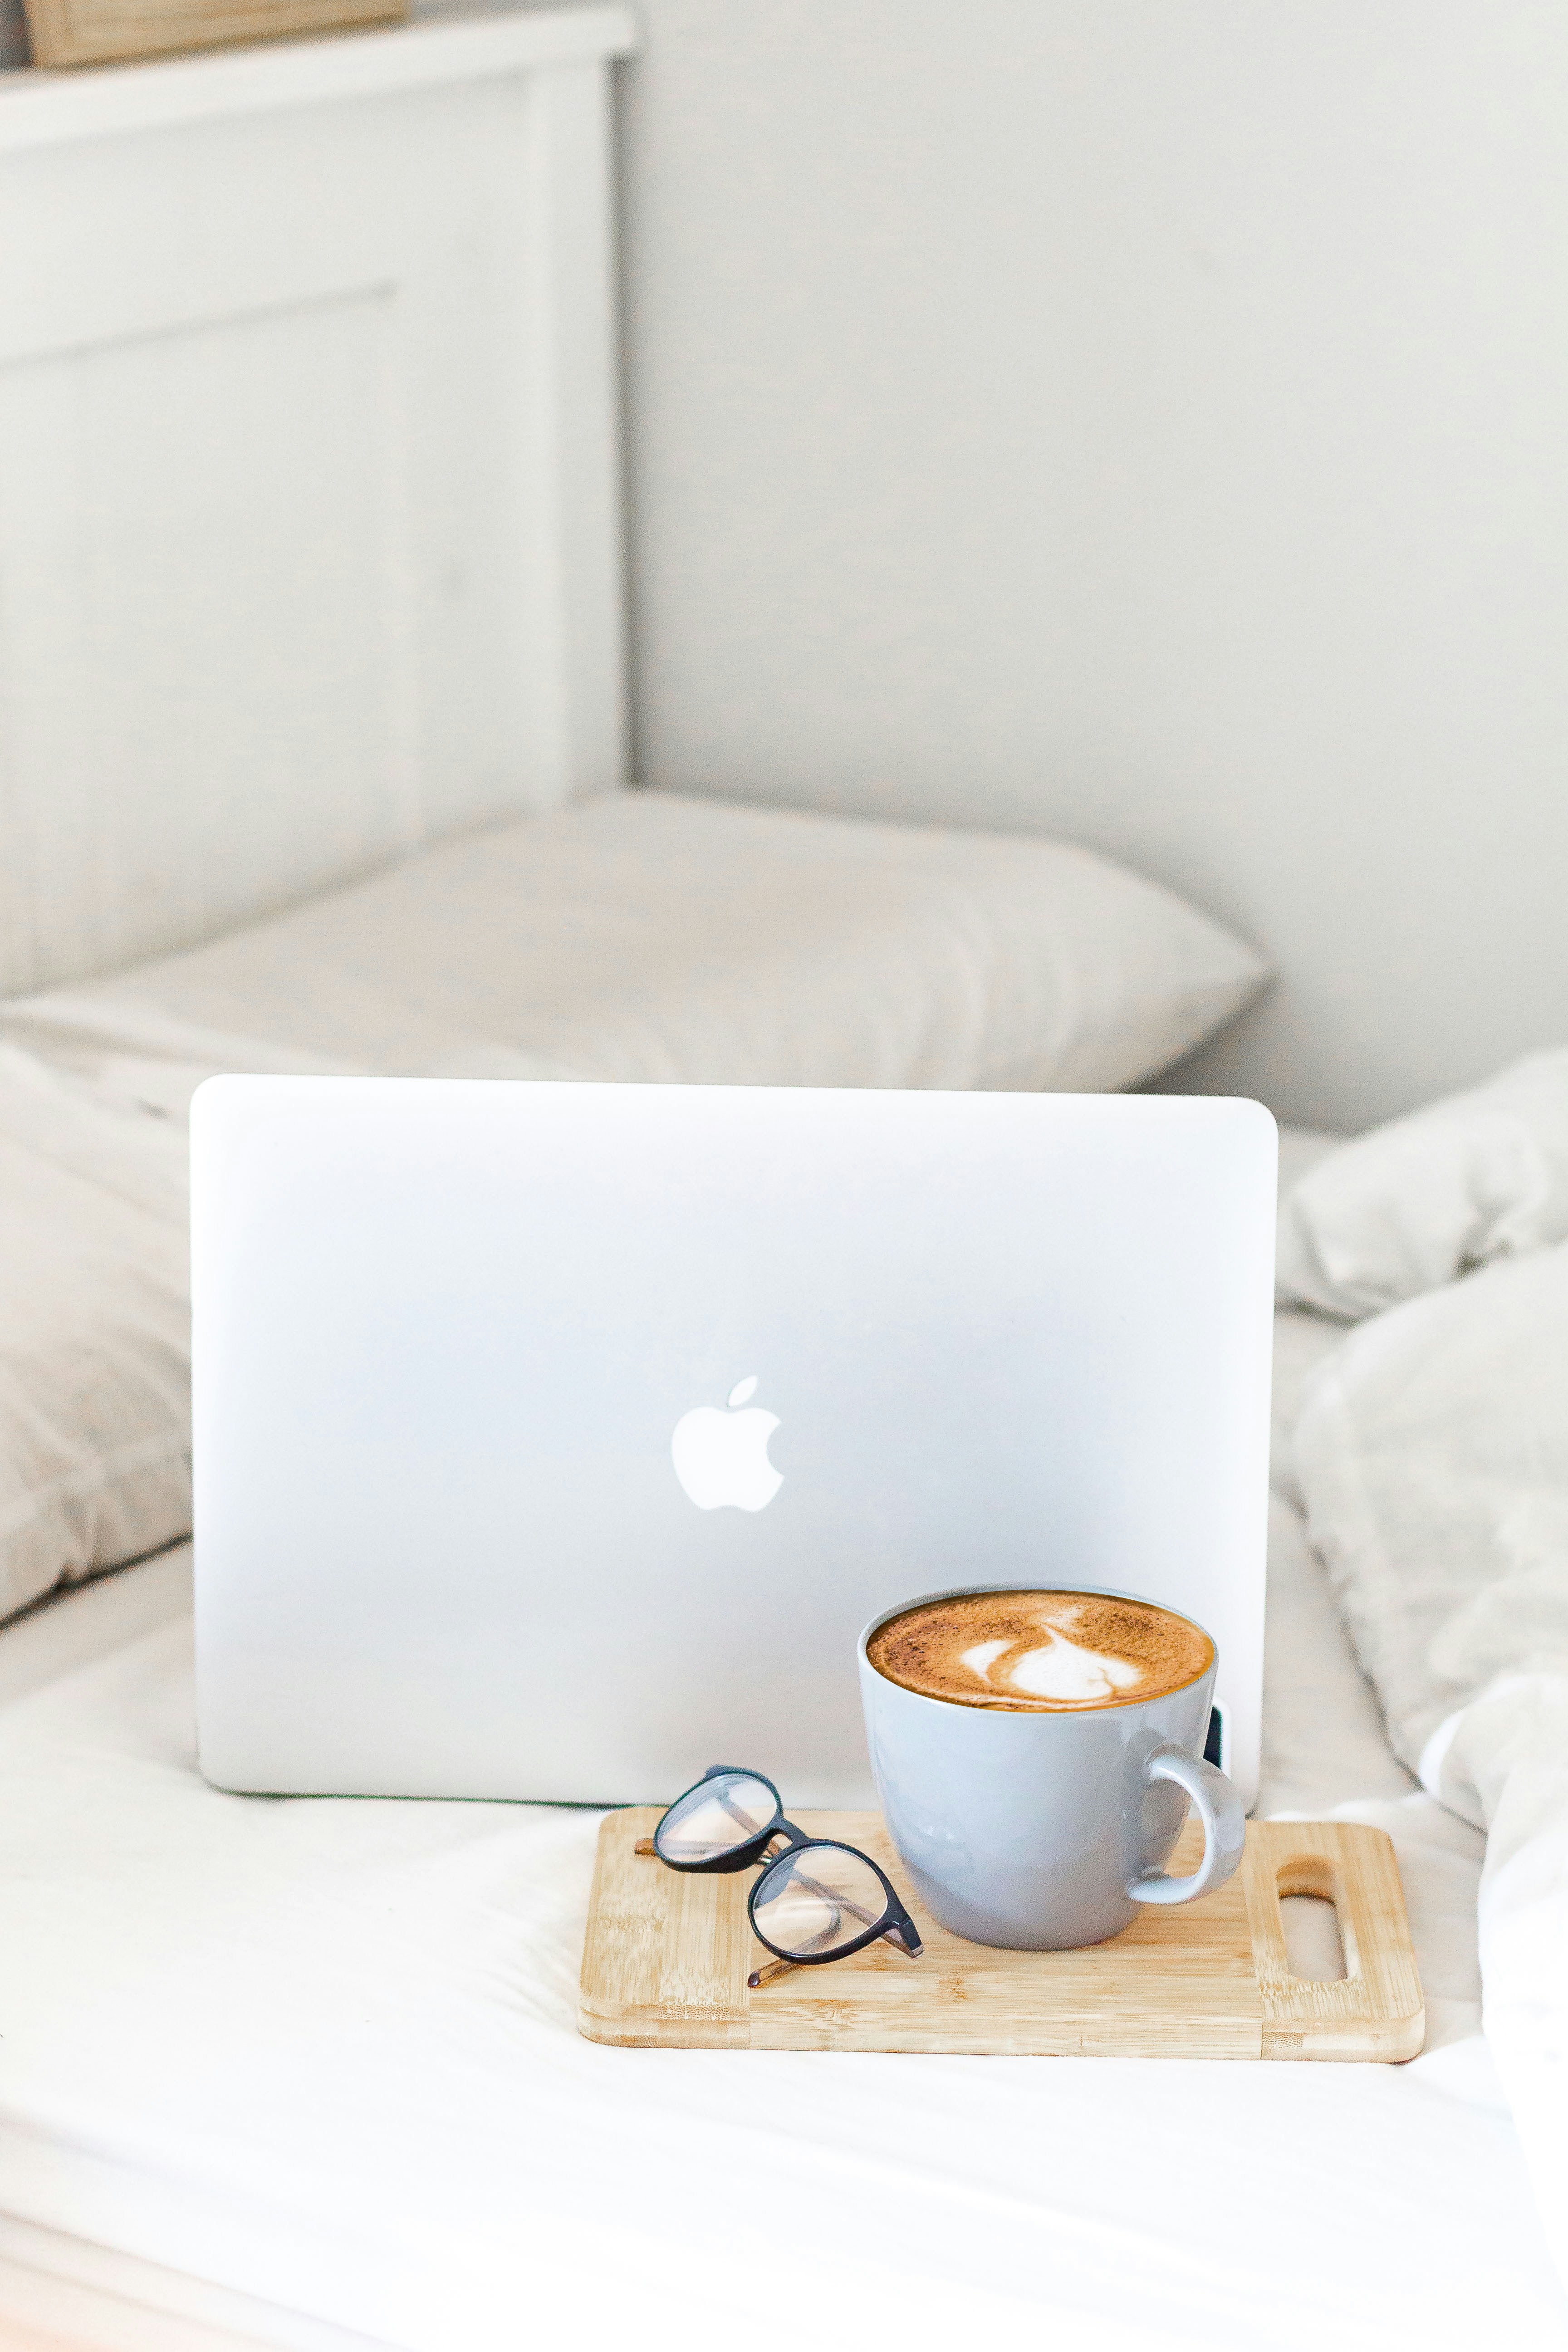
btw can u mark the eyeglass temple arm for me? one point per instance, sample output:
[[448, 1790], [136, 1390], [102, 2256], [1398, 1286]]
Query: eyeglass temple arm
[[768, 1971], [910, 1945]]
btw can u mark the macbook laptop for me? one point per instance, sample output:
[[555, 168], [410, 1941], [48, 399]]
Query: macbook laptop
[[556, 1441]]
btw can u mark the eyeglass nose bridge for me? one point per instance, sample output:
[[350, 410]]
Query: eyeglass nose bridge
[[756, 1850]]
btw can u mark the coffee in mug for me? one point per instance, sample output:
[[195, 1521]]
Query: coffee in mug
[[1028, 1649], [1035, 1748]]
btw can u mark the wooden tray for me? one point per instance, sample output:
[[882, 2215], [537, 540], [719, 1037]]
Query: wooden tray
[[668, 1954]]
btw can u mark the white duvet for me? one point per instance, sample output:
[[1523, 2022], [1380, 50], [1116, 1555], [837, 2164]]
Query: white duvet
[[324, 2055]]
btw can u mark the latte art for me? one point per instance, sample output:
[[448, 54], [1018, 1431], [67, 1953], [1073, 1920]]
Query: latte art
[[1045, 1650], [1061, 1670]]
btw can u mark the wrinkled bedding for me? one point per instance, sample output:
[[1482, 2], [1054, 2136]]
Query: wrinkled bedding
[[1432, 1456], [308, 2070]]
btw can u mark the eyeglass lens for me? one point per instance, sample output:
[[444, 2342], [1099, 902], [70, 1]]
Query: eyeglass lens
[[720, 1813], [816, 1899]]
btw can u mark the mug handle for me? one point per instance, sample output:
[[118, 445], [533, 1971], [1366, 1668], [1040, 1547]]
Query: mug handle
[[1224, 1819]]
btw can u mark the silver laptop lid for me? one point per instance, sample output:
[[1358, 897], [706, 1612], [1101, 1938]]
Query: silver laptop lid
[[556, 1441]]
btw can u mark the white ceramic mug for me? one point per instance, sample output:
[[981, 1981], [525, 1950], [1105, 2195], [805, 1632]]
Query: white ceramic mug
[[1044, 1829]]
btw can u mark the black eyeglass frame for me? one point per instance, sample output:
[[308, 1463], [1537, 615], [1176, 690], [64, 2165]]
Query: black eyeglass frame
[[753, 1850]]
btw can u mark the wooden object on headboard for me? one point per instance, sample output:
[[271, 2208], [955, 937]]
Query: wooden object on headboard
[[308, 469], [93, 32]]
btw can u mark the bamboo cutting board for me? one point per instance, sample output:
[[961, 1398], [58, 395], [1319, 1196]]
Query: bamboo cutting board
[[668, 1954]]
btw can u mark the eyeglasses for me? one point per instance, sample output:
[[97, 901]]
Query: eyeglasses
[[816, 1900]]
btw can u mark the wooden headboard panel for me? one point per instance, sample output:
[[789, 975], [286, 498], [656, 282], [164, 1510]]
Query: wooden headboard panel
[[310, 541]]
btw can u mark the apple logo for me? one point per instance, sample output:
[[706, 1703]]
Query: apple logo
[[722, 1457]]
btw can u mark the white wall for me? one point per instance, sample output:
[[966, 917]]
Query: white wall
[[1143, 420]]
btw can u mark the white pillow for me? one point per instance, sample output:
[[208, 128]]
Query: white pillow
[[1405, 1208], [646, 936], [94, 1335], [641, 936]]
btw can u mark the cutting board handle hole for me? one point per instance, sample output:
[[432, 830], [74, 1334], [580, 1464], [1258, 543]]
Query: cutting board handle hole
[[1312, 1921]]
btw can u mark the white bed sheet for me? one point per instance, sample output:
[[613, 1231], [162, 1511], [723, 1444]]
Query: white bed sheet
[[321, 2056]]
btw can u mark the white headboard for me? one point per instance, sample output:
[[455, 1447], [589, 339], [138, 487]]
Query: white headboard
[[309, 539]]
